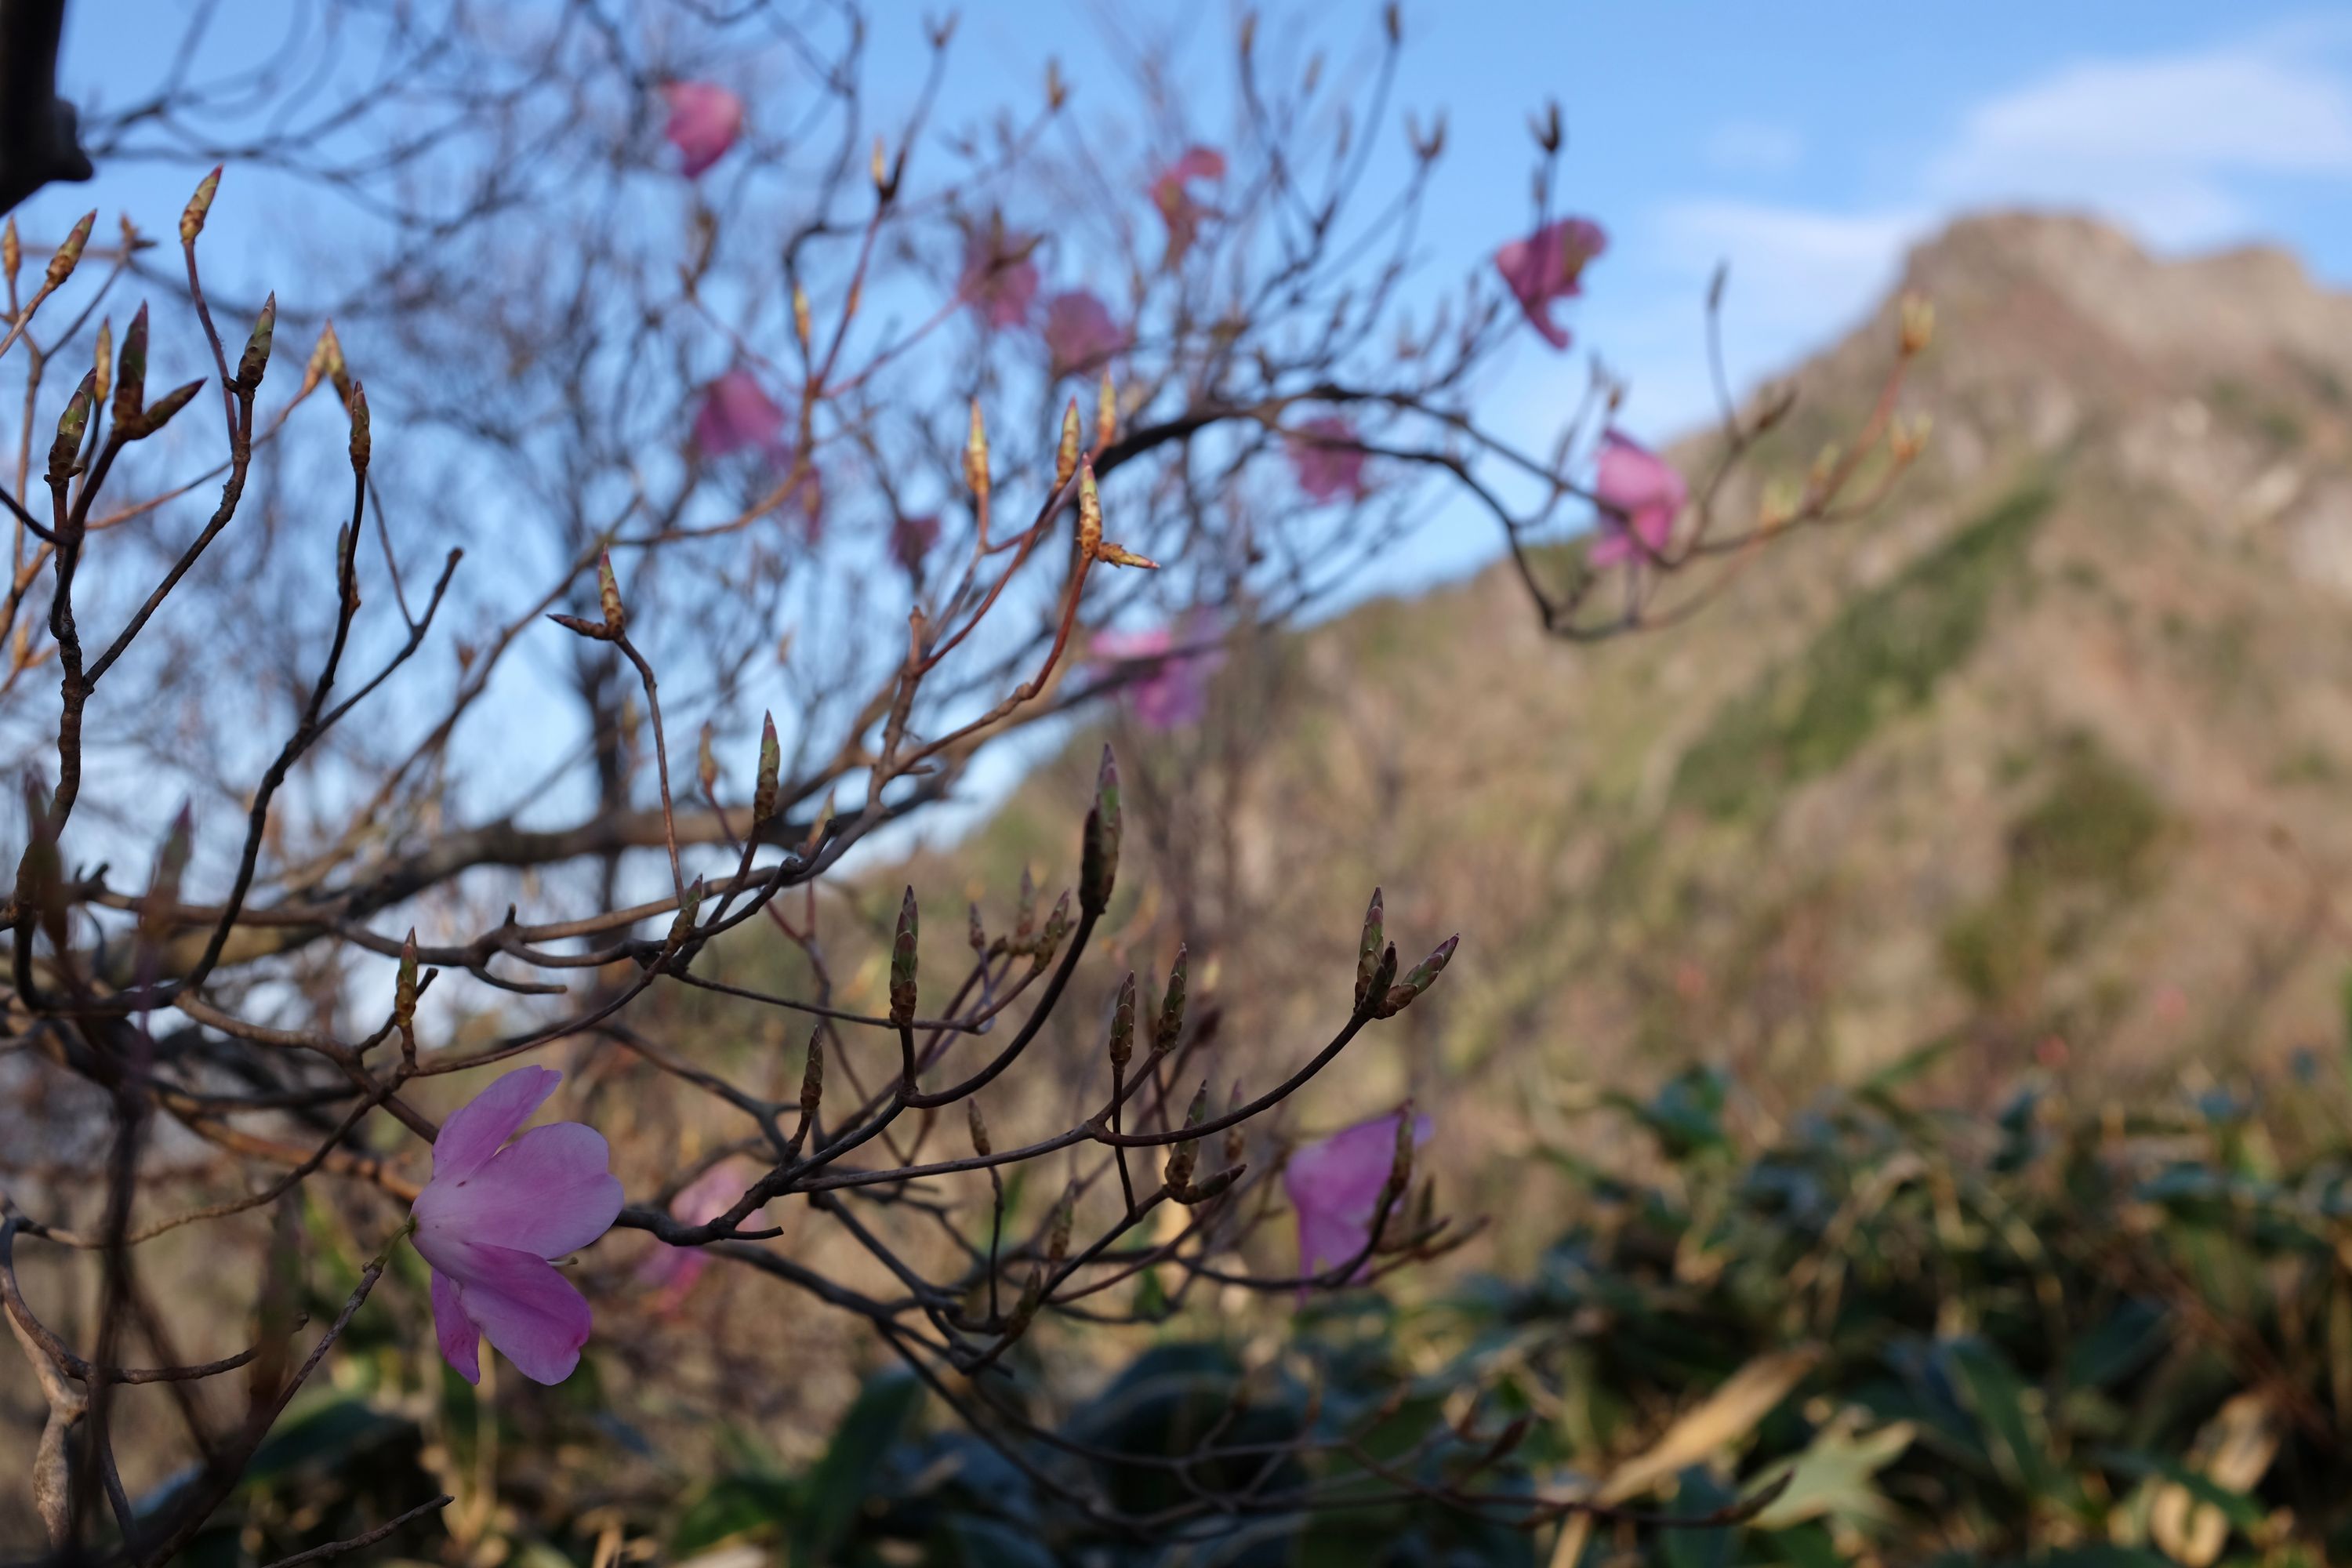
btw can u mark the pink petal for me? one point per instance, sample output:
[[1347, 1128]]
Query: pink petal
[[1548, 265], [705, 119], [548, 1193], [1080, 332], [1335, 1188], [1199, 163], [1640, 495], [737, 413], [461, 1343], [1323, 456], [521, 1304], [476, 1129]]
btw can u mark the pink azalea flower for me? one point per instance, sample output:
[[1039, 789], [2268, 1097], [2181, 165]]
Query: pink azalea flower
[[1000, 280], [738, 414], [1174, 693], [911, 538], [1549, 264], [1324, 456], [672, 1270], [1335, 1189], [1080, 332], [1171, 192], [705, 119], [492, 1218], [1640, 495]]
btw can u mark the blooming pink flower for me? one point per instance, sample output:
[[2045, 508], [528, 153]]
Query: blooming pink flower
[[672, 1270], [911, 538], [1080, 332], [999, 280], [1335, 1189], [1549, 264], [491, 1220], [737, 413], [1640, 495], [1324, 456], [1175, 691], [705, 119], [1171, 192]]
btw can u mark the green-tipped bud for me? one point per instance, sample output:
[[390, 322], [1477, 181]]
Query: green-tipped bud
[[1057, 926], [608, 595], [1106, 412], [159, 413], [101, 359], [403, 987], [976, 1127], [1215, 1187], [1172, 1007], [12, 251], [1420, 978], [1099, 862], [681, 924], [801, 326], [1122, 1022], [65, 450], [772, 762], [1368, 951], [362, 440], [255, 359], [192, 217], [1181, 1158], [69, 255], [902, 965], [1066, 458], [813, 1073]]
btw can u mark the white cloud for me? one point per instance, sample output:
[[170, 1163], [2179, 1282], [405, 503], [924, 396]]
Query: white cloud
[[2157, 142], [1755, 147]]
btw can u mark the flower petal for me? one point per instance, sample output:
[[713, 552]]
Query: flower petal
[[522, 1305], [548, 1193], [476, 1129], [1335, 1187], [461, 1343]]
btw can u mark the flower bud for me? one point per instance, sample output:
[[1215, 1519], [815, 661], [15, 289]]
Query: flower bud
[[1180, 1158], [902, 965], [12, 251], [1106, 412], [1422, 976], [813, 1073], [1057, 1234], [160, 413], [1065, 457], [608, 595], [1090, 511], [130, 373], [404, 986], [65, 452], [763, 790], [801, 326], [975, 459], [1400, 1163], [363, 442], [681, 924], [1368, 951], [255, 359], [192, 217], [1918, 322], [68, 256], [1098, 860], [1172, 1007], [976, 1127], [325, 359], [1122, 1024], [102, 359], [1057, 926]]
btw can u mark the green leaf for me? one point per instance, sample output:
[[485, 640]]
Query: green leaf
[[838, 1488]]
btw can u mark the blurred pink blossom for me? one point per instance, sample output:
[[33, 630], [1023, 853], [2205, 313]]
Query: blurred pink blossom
[[737, 413], [705, 119], [671, 1271], [493, 1219], [911, 538], [1324, 456], [1000, 279], [1548, 265], [1335, 1188], [1171, 192], [1175, 691], [1639, 494], [1080, 332]]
